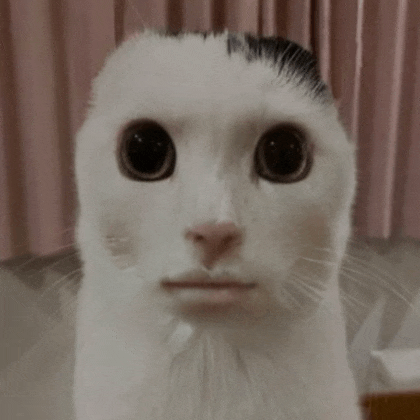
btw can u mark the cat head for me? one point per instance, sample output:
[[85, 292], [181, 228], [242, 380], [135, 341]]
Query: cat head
[[213, 175]]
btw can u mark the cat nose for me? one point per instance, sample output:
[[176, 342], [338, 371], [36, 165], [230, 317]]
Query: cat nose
[[215, 241]]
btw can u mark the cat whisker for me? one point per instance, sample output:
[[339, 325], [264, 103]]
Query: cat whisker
[[351, 300], [287, 299], [391, 293], [371, 267], [378, 281], [19, 268], [317, 292], [306, 294], [371, 270], [324, 262], [306, 288], [23, 268], [55, 235], [60, 281], [65, 257]]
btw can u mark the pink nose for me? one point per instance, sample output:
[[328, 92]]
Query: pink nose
[[215, 241]]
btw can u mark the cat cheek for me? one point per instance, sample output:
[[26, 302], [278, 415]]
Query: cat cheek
[[121, 246], [315, 230]]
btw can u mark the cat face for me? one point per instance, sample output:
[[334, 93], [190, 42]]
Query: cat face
[[213, 177]]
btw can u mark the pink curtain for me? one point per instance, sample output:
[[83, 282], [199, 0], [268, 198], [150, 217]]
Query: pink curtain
[[368, 50], [49, 51]]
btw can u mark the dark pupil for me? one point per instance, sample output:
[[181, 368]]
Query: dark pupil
[[283, 153], [147, 150]]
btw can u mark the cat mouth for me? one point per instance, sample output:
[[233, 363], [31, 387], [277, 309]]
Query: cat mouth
[[206, 290], [213, 284]]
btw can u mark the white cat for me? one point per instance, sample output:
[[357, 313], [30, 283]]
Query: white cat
[[215, 185]]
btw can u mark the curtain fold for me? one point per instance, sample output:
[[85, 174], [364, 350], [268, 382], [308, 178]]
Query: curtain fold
[[386, 124], [368, 51]]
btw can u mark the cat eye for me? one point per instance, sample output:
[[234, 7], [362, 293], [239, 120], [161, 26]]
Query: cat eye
[[282, 155], [147, 152]]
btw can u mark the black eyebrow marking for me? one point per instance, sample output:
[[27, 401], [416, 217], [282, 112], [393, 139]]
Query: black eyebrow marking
[[294, 62]]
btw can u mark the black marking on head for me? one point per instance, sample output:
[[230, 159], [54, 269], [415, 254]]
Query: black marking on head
[[298, 65]]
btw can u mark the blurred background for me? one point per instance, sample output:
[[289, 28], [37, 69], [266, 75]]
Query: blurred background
[[369, 53]]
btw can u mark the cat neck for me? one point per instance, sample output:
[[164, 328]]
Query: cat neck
[[217, 371]]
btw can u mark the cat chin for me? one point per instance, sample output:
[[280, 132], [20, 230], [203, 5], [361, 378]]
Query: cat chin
[[255, 308]]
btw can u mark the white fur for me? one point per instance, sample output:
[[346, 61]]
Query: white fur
[[284, 357]]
